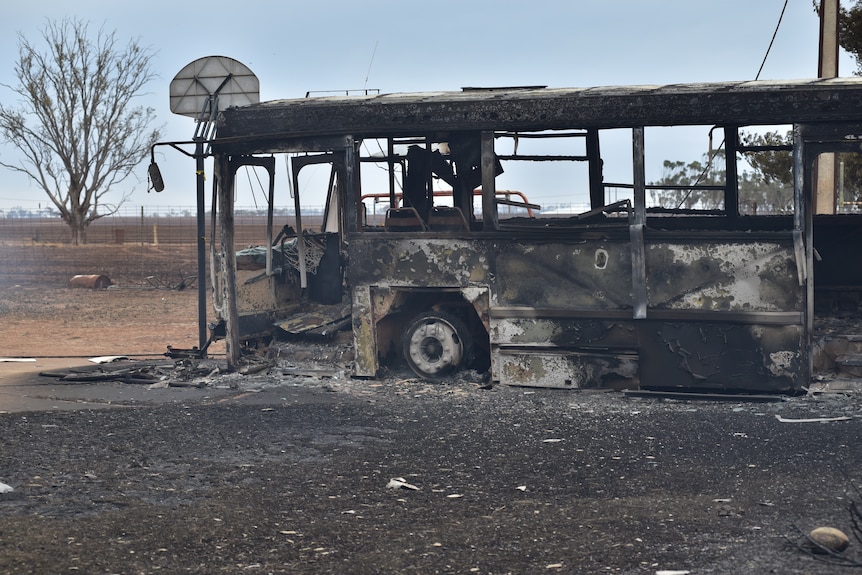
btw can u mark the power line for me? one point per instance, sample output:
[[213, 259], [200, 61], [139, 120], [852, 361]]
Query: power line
[[774, 34]]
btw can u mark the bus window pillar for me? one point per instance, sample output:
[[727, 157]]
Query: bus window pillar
[[731, 190], [489, 187], [597, 188], [636, 229]]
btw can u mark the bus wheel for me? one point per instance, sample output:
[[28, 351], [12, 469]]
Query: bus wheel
[[436, 344]]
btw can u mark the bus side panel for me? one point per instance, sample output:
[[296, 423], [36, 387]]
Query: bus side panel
[[565, 369], [508, 329], [721, 356], [563, 314], [582, 274], [386, 268], [756, 276], [383, 259], [724, 314], [563, 352]]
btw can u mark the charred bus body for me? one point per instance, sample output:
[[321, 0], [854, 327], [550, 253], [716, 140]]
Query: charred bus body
[[623, 294]]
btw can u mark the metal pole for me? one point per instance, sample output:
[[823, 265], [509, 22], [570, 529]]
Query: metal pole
[[636, 227], [827, 67], [201, 235]]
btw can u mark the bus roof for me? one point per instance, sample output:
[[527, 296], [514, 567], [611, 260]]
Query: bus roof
[[538, 108]]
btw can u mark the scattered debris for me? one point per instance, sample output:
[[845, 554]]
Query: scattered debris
[[5, 488], [108, 358], [17, 360], [682, 395], [182, 283], [400, 483], [181, 373], [813, 419], [253, 368], [180, 353]]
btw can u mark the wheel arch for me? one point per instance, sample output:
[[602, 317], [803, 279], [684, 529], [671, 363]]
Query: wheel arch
[[400, 306]]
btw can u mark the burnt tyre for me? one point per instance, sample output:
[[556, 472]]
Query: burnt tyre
[[436, 344]]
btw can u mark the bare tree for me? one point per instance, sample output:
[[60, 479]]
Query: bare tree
[[76, 126]]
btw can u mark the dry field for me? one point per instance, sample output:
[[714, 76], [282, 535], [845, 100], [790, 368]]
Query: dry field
[[43, 316]]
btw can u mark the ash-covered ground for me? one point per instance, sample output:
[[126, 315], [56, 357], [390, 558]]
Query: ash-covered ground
[[298, 468]]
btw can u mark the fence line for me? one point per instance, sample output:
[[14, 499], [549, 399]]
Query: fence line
[[177, 225]]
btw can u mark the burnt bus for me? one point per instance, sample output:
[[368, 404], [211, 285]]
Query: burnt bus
[[434, 258]]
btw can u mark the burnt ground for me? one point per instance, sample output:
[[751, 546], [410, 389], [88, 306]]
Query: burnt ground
[[288, 470], [291, 475]]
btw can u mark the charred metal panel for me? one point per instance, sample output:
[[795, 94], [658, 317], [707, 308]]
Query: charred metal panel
[[563, 332], [591, 274], [711, 276], [563, 352], [534, 368], [721, 356], [587, 274], [726, 103], [257, 292], [388, 260]]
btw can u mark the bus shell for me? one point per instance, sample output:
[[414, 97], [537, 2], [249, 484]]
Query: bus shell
[[705, 294]]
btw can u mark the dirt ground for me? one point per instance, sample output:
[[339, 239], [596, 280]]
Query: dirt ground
[[299, 468]]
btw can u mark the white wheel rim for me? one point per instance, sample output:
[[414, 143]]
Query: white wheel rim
[[435, 347]]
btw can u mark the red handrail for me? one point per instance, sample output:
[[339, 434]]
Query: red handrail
[[476, 193]]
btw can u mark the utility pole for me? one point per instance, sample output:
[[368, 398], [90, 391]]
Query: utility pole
[[827, 67]]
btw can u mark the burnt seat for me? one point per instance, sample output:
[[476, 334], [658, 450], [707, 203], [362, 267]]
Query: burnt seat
[[447, 219], [403, 220]]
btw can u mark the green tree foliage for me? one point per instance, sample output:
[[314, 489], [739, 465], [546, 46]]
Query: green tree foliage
[[683, 181], [765, 189], [75, 126], [768, 189], [850, 31]]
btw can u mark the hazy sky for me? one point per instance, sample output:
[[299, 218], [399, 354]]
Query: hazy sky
[[404, 45]]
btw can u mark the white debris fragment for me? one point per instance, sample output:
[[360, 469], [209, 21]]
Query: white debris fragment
[[521, 488], [671, 572], [5, 488], [813, 419], [552, 440], [399, 483], [108, 358]]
